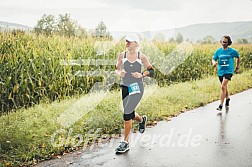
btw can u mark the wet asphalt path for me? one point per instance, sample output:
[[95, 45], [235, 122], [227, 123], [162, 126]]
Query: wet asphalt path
[[195, 138]]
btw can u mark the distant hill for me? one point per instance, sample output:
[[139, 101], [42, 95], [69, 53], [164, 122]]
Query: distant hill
[[197, 32], [11, 26], [216, 30]]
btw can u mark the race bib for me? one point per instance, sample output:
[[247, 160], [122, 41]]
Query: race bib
[[224, 63], [133, 88], [224, 60]]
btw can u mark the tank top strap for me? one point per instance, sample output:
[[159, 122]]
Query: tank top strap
[[125, 53]]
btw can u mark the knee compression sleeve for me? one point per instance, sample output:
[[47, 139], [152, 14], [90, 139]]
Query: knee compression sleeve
[[128, 117]]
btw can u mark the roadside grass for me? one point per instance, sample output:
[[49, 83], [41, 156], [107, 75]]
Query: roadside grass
[[29, 136]]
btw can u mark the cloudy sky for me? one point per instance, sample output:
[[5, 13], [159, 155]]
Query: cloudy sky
[[128, 15]]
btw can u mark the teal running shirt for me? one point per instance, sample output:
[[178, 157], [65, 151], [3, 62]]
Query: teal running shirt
[[225, 60]]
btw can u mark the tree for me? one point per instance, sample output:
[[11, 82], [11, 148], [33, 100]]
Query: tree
[[46, 25], [66, 26], [187, 40], [171, 40], [208, 40], [80, 31], [159, 37], [101, 30], [242, 41], [179, 38]]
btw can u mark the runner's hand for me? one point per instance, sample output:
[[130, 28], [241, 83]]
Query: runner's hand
[[236, 70], [122, 74], [137, 75], [215, 64]]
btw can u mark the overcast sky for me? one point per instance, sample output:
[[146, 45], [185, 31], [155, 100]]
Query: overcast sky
[[128, 15]]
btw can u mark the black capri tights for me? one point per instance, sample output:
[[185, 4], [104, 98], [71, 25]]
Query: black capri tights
[[130, 102]]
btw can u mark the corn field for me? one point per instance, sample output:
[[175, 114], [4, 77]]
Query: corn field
[[37, 68]]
